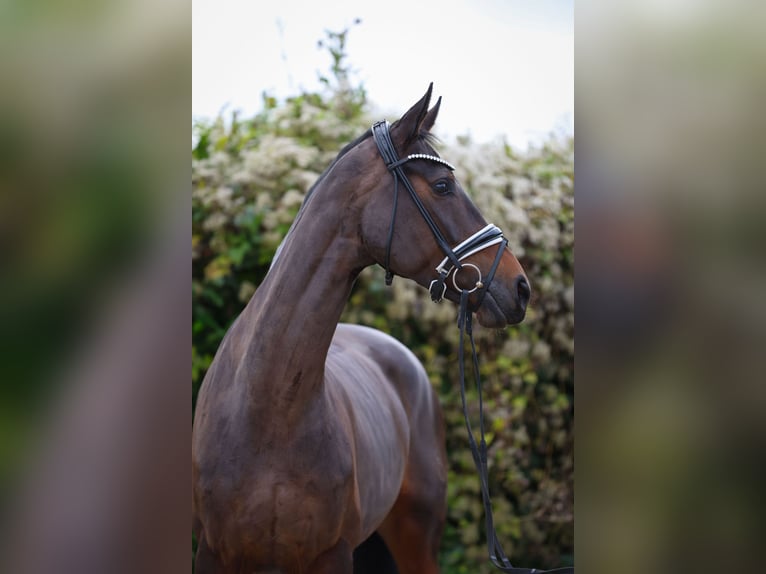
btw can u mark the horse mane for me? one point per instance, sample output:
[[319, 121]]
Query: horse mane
[[430, 139], [348, 147], [427, 137]]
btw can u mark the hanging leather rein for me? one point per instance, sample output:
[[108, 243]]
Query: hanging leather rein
[[482, 239]]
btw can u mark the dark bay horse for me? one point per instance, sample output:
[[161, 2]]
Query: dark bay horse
[[308, 435]]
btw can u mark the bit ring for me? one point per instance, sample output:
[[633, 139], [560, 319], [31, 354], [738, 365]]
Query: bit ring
[[478, 285]]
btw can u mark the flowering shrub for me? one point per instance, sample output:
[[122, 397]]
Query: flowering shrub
[[249, 178]]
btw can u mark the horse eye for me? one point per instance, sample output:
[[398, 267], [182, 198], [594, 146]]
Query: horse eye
[[441, 187]]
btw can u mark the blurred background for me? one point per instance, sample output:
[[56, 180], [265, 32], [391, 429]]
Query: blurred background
[[94, 292], [94, 313], [670, 282]]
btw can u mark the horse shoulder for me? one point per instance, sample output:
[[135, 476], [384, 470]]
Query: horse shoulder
[[401, 368]]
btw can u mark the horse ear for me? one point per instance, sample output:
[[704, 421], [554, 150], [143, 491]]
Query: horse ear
[[430, 120], [406, 128]]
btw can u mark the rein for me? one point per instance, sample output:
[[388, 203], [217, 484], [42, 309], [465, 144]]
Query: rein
[[482, 239]]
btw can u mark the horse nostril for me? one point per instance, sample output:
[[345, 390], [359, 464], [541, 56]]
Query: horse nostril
[[523, 290]]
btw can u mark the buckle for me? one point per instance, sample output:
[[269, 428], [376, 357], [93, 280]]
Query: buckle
[[433, 288]]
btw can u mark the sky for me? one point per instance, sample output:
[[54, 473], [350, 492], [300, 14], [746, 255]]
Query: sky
[[505, 68]]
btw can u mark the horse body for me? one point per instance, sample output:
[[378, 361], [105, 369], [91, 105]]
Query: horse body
[[308, 435], [287, 495], [303, 426], [303, 490]]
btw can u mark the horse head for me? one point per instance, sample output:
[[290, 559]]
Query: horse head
[[396, 232]]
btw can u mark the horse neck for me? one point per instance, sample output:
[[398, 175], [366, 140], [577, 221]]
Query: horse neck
[[290, 321]]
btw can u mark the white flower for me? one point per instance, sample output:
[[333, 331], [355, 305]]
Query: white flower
[[215, 221], [246, 290], [293, 198]]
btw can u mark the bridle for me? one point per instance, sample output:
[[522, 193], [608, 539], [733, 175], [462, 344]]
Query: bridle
[[486, 237]]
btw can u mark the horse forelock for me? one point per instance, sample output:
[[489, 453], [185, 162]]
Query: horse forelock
[[431, 140]]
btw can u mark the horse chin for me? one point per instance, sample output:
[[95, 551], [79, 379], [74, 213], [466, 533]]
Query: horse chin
[[495, 314]]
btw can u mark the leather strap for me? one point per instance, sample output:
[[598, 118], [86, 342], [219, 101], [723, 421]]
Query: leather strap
[[382, 136], [479, 451]]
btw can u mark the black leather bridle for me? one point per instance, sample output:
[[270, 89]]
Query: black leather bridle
[[486, 237]]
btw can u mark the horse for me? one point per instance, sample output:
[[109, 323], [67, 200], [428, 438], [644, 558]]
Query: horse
[[311, 436]]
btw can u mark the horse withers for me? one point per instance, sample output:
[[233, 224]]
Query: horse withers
[[310, 436]]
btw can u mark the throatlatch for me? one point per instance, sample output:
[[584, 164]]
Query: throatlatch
[[486, 237]]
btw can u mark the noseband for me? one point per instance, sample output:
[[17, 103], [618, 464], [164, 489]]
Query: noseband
[[486, 237]]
